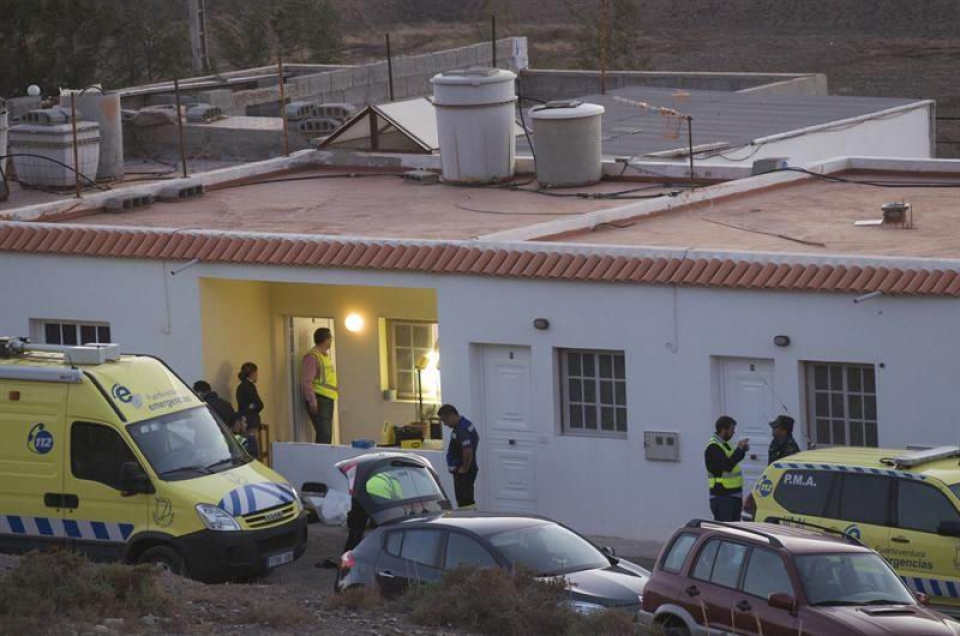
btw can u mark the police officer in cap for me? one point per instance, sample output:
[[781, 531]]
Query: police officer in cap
[[782, 445]]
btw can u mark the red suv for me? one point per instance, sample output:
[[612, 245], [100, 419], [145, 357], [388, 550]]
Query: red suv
[[772, 580]]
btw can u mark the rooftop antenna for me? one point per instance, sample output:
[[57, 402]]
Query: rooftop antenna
[[604, 43], [670, 115], [493, 38]]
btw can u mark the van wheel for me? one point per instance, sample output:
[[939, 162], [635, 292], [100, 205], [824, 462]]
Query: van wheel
[[674, 627], [165, 557]]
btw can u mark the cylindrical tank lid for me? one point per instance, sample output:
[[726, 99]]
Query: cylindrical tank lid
[[474, 75], [566, 109]]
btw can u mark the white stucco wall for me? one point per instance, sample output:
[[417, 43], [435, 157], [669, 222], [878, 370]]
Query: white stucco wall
[[599, 486]]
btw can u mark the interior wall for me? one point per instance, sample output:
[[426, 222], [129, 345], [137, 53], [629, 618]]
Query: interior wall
[[237, 328], [361, 405]]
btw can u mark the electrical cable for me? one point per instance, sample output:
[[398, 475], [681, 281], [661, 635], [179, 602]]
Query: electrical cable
[[346, 175], [68, 167], [867, 182], [526, 133]]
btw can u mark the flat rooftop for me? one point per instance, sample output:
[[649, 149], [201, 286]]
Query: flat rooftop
[[813, 215], [722, 119], [375, 205]]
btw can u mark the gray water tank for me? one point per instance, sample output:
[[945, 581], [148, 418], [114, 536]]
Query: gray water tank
[[566, 138], [104, 109]]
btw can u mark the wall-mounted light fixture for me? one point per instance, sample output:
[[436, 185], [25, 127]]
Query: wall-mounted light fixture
[[781, 341], [541, 323], [354, 322]]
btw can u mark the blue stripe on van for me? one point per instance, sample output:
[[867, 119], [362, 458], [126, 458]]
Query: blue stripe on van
[[16, 524], [126, 529], [44, 527], [72, 529], [100, 530]]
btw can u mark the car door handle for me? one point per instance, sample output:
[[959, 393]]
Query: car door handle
[[385, 574], [692, 591], [743, 606], [900, 539], [60, 500]]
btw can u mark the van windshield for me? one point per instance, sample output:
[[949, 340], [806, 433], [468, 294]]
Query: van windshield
[[187, 444]]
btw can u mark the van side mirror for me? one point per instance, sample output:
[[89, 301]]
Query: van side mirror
[[609, 551], [949, 528], [922, 598], [134, 481], [782, 600]]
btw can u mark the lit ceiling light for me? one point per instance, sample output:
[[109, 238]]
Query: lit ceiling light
[[354, 322]]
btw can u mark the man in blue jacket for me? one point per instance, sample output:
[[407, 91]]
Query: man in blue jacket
[[461, 455]]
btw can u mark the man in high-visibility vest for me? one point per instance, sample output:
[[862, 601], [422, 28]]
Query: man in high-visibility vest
[[724, 477], [318, 382]]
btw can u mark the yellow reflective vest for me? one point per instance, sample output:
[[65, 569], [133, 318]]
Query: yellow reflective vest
[[730, 480], [325, 383]]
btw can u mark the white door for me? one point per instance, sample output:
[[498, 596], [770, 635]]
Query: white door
[[299, 341], [509, 455], [747, 395]]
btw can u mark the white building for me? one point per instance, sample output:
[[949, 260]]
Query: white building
[[584, 337]]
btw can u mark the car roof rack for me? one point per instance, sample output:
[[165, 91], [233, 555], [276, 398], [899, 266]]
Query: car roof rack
[[699, 523], [783, 521]]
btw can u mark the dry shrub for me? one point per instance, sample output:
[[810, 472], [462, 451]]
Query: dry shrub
[[356, 599], [274, 613], [63, 586]]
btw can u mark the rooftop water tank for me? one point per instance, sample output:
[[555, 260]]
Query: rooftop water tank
[[104, 109], [475, 123], [48, 139], [566, 138]]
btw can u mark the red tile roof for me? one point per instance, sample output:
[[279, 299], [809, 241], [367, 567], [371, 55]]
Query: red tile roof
[[479, 260]]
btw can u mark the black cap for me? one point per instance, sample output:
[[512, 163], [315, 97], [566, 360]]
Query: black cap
[[784, 421]]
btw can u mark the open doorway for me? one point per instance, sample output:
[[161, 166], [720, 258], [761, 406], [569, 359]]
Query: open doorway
[[299, 341]]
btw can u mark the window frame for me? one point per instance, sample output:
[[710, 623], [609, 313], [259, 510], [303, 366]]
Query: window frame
[[73, 446], [720, 540], [41, 326], [898, 522], [673, 544], [392, 346], [829, 501], [445, 546], [835, 506], [563, 381], [746, 568], [846, 394], [438, 552]]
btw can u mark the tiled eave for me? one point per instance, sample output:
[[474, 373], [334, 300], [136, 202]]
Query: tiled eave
[[538, 262]]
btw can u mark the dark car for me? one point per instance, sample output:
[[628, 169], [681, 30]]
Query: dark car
[[416, 541], [774, 580]]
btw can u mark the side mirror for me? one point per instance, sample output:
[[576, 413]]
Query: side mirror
[[133, 480], [314, 488], [782, 600], [949, 528], [609, 551], [922, 598]]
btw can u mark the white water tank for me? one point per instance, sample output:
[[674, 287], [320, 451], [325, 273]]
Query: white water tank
[[48, 140], [104, 109], [566, 138], [475, 122]]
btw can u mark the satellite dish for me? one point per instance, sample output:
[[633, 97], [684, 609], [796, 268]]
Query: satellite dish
[[33, 90]]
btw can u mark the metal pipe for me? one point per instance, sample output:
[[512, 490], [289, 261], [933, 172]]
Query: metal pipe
[[866, 297], [690, 143], [183, 148], [604, 44], [493, 38], [76, 149], [283, 108], [389, 68]]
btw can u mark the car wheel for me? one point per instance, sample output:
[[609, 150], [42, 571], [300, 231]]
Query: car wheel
[[165, 557], [674, 627]]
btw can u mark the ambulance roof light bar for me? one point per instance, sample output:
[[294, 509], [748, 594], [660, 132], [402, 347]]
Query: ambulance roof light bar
[[911, 460], [41, 374], [97, 353]]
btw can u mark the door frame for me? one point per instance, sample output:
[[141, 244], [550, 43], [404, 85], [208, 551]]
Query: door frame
[[293, 378]]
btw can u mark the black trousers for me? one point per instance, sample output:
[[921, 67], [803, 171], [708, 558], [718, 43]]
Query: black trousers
[[357, 522], [323, 420], [463, 487], [726, 507]]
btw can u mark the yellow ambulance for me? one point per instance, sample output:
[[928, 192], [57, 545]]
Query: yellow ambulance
[[903, 504], [114, 456]]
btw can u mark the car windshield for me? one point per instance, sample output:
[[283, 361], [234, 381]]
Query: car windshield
[[548, 549], [955, 489], [187, 444], [853, 578]]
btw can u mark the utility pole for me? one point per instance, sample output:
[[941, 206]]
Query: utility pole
[[604, 43], [197, 14]]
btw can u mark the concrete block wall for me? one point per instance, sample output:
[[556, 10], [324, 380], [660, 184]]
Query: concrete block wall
[[560, 84]]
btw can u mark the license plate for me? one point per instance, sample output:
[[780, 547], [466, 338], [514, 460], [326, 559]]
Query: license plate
[[280, 559]]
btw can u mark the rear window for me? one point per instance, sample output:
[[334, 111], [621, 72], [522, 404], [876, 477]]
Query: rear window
[[677, 554], [865, 499], [805, 492]]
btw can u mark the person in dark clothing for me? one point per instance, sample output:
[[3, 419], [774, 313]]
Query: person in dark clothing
[[249, 403], [221, 407], [724, 477], [782, 445], [461, 455]]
